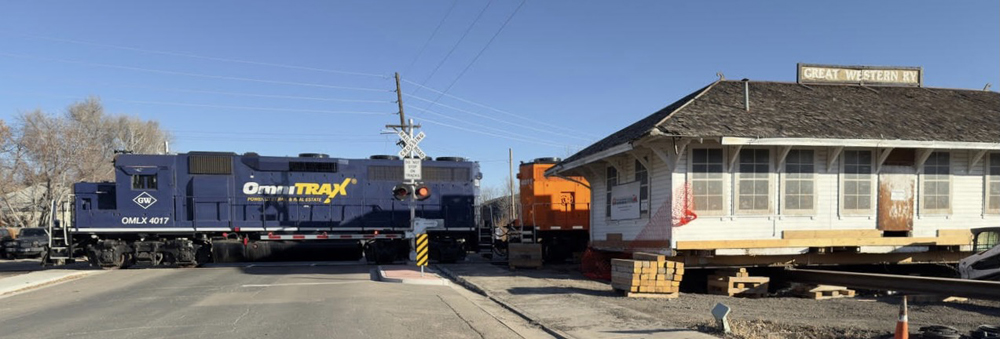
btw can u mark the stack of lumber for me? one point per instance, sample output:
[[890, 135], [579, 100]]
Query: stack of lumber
[[820, 292], [647, 275], [737, 282], [524, 255]]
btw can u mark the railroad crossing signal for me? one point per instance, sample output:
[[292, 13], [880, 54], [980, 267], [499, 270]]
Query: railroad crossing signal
[[422, 250], [410, 144]]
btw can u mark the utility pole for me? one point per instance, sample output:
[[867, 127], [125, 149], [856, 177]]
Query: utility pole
[[402, 116], [399, 101], [510, 161]]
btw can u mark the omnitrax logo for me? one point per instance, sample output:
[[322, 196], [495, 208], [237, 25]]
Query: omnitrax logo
[[303, 188]]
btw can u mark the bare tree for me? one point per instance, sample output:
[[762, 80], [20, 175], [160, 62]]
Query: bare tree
[[496, 202], [45, 154]]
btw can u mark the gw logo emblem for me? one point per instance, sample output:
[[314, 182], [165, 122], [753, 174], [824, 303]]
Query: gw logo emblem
[[144, 200]]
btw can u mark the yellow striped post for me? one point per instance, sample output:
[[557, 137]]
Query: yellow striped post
[[422, 250]]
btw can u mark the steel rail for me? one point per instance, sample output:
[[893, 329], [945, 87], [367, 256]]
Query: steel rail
[[904, 283]]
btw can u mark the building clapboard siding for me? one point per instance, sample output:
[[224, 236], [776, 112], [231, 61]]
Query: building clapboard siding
[[881, 169]]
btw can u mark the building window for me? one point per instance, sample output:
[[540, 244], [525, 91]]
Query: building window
[[754, 180], [144, 182], [642, 176], [799, 169], [937, 190], [857, 181], [993, 184], [706, 179], [612, 180]]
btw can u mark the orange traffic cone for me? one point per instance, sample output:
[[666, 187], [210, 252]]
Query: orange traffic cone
[[902, 326]]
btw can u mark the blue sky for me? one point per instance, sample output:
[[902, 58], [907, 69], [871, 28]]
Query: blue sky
[[282, 78]]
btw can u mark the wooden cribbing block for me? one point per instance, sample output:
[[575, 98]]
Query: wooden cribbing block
[[733, 286], [670, 295], [820, 292], [733, 272], [649, 256]]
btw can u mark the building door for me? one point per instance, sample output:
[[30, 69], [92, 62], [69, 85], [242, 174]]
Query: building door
[[896, 187]]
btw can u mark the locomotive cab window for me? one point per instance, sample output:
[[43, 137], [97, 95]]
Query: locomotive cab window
[[144, 182]]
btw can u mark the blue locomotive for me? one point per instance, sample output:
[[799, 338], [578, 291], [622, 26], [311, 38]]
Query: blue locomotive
[[192, 208]]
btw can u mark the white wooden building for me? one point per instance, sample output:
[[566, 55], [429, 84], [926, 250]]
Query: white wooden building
[[748, 172]]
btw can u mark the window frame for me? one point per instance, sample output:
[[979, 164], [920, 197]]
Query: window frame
[[608, 185], [724, 208], [738, 177], [988, 177], [924, 211], [644, 185], [155, 182], [872, 192], [783, 183]]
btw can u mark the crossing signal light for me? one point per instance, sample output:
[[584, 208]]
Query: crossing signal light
[[402, 191], [422, 192]]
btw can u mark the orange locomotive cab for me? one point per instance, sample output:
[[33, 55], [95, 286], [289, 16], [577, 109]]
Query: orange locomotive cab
[[556, 208]]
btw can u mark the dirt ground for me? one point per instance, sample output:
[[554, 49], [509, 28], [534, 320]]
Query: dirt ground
[[564, 299]]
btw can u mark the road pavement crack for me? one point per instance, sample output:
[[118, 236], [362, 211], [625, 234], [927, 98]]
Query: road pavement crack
[[466, 321], [241, 317]]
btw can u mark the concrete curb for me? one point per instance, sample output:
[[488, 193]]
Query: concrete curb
[[479, 290], [17, 284], [430, 282]]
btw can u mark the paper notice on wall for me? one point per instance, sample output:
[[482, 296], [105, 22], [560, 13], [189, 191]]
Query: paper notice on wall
[[898, 195], [625, 201]]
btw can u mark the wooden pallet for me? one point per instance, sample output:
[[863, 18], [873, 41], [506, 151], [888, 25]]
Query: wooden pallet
[[738, 286], [822, 292]]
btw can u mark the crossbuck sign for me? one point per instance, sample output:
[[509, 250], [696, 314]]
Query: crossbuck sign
[[410, 144]]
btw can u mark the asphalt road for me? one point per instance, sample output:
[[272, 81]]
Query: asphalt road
[[253, 302]]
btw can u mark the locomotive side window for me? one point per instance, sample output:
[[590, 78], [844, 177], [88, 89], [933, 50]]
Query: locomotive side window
[[445, 174], [144, 182], [299, 166], [385, 173]]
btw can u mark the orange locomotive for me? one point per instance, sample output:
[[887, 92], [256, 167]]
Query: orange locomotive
[[556, 209]]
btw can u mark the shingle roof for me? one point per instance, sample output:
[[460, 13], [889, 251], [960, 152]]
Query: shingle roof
[[790, 110]]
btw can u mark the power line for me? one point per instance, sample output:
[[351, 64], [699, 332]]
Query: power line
[[459, 42], [505, 135], [470, 102], [195, 56], [248, 108], [199, 75], [183, 90], [480, 53], [433, 34], [423, 120], [276, 139], [477, 125], [266, 133], [498, 120]]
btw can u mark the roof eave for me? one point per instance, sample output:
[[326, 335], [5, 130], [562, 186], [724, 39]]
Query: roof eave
[[562, 168], [859, 143]]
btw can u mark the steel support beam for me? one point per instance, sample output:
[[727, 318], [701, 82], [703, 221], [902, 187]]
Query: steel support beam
[[904, 283]]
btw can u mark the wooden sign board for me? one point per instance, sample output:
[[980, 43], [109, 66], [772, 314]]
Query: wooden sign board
[[860, 75]]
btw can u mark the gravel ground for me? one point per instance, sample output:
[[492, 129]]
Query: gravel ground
[[772, 317]]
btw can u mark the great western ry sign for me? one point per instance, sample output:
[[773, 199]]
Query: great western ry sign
[[860, 75]]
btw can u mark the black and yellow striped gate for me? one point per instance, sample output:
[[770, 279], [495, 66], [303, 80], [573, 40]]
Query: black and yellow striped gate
[[422, 250]]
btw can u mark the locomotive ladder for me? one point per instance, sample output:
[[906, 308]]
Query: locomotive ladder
[[60, 249]]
